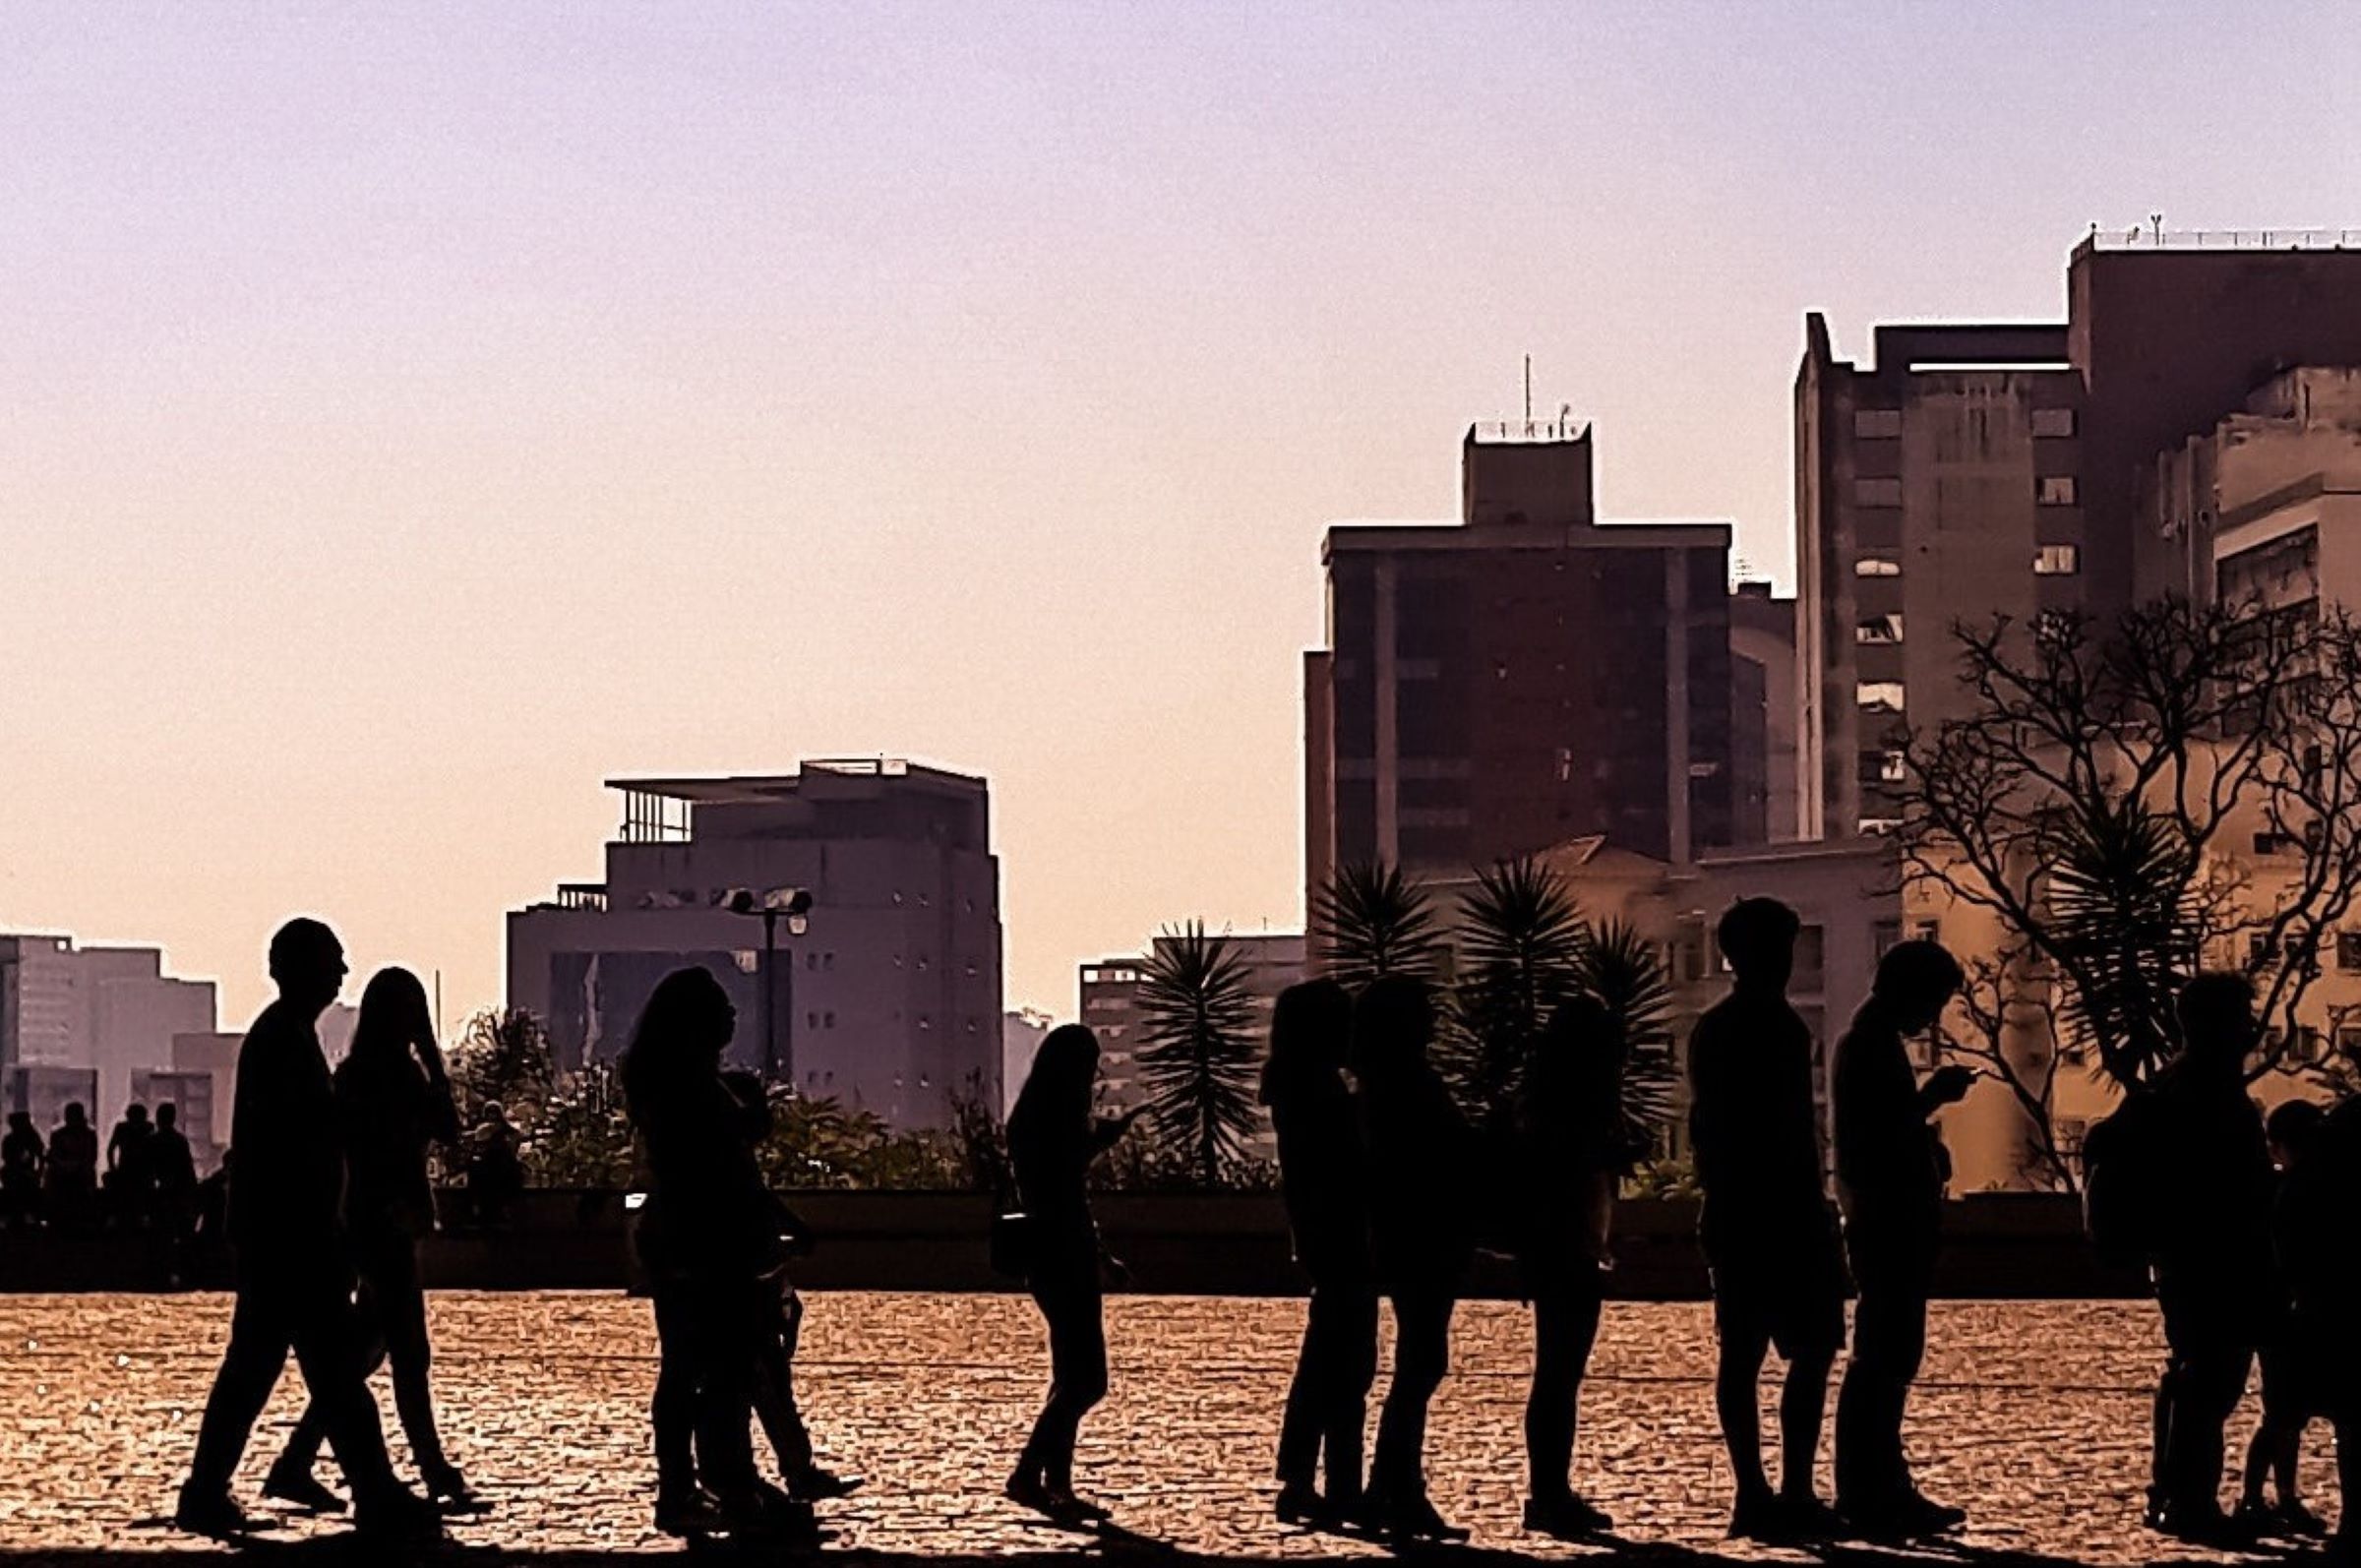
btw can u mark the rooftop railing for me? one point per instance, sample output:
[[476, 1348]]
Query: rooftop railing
[[2150, 237]]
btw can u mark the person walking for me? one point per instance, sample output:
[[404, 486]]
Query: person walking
[[294, 1283], [1891, 1172], [709, 1239], [1770, 1238], [1569, 1150], [1322, 1182], [393, 1103], [1421, 1160], [1052, 1138]]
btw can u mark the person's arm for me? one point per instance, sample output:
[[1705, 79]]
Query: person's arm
[[1108, 1131], [1946, 1085], [441, 1107], [1708, 1110]]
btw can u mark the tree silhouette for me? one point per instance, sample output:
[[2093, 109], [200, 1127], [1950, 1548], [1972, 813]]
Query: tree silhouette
[[1626, 973], [504, 1055], [1521, 947], [1372, 921], [1199, 1054]]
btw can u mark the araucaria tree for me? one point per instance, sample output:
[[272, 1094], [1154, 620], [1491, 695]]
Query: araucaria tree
[[1520, 949], [2130, 800], [1372, 921], [1199, 1057]]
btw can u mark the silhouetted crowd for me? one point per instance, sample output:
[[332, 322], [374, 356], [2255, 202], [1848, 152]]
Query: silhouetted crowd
[[146, 1182], [1391, 1193]]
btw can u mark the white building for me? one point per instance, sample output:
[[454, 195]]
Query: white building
[[83, 1023], [888, 997], [1021, 1035]]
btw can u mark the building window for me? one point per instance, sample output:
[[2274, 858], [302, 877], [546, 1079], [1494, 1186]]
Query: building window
[[1811, 954], [827, 1020], [2058, 561], [1879, 697], [1878, 630], [1877, 492], [1885, 934], [1877, 567], [2052, 423], [2349, 1043], [2055, 490], [1876, 424], [2349, 950]]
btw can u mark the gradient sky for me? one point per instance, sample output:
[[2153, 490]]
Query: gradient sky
[[412, 415]]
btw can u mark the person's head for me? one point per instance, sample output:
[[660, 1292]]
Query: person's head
[[1062, 1080], [2291, 1127], [1757, 935], [1393, 1023], [76, 1116], [1580, 1057], [1311, 1033], [19, 1121], [135, 1113], [1916, 981], [307, 964], [395, 1018], [683, 1030], [494, 1114], [167, 1116], [2217, 1010]]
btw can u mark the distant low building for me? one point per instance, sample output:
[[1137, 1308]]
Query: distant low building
[[80, 1023], [1021, 1035], [885, 997]]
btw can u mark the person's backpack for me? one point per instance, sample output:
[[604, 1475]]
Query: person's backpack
[[2122, 1177]]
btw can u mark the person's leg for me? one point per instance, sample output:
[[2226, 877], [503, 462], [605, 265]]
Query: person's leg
[[672, 1411], [1802, 1412], [260, 1337], [1353, 1310], [730, 1324], [1301, 1425], [774, 1406], [399, 1295], [1737, 1400], [2212, 1377], [331, 1354], [1421, 1358], [1077, 1377]]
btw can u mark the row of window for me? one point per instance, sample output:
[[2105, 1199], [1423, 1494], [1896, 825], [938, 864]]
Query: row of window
[[1885, 424], [2050, 561], [2049, 490], [826, 1018]]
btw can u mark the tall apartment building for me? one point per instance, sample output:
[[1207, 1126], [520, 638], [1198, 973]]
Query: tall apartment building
[[1109, 1003], [1763, 806], [889, 1001], [1974, 470], [1520, 677], [86, 1023]]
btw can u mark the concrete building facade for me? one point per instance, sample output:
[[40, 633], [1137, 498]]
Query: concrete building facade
[[82, 1023], [1522, 676], [888, 1001], [1765, 807]]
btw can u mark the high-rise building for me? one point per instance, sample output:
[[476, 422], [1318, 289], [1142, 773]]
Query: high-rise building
[[80, 1023], [885, 996], [1526, 674], [1110, 1003], [2006, 470], [1763, 806]]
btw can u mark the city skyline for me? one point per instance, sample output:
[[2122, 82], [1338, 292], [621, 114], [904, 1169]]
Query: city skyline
[[418, 435]]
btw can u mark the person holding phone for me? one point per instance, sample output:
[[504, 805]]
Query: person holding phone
[[1891, 1172], [1052, 1138]]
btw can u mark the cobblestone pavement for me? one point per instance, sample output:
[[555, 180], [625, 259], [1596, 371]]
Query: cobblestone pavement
[[2033, 1416]]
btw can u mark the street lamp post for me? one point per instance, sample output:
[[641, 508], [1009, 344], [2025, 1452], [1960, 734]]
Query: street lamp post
[[793, 905]]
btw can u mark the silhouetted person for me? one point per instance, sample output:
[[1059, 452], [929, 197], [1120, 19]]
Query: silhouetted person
[[782, 1421], [495, 1165], [72, 1190], [709, 1239], [2289, 1393], [1891, 1172], [2214, 1264], [1053, 1137], [1770, 1236], [1421, 1156], [1569, 1152], [130, 1167], [23, 1155], [2317, 1228], [294, 1281], [393, 1103], [1324, 1186], [173, 1167]]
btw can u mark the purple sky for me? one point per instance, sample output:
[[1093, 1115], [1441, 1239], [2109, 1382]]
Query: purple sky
[[415, 415]]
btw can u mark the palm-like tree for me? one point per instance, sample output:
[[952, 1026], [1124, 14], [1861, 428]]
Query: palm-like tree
[[1521, 946], [1624, 971], [2126, 923], [1372, 921], [1199, 1057]]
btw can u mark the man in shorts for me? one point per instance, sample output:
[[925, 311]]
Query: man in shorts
[[1769, 1234]]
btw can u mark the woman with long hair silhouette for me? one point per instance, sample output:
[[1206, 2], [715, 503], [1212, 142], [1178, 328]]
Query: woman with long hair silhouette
[[1322, 1178], [1420, 1152], [1053, 1137], [709, 1239], [394, 1101]]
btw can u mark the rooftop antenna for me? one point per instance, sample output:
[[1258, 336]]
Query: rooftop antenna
[[2155, 223], [1529, 395]]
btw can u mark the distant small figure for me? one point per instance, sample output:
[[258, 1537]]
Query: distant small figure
[[1569, 1152], [494, 1165], [173, 1167], [1052, 1138], [23, 1155], [131, 1168], [295, 1276], [1422, 1159], [2317, 1231], [1324, 1184], [72, 1190], [2290, 1382], [1770, 1236], [2214, 1264], [394, 1104]]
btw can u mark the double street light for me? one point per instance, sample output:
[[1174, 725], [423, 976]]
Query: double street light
[[792, 905]]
